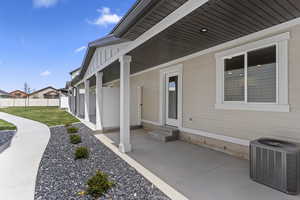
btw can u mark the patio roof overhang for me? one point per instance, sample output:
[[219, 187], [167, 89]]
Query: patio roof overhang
[[92, 46], [142, 16], [213, 23]]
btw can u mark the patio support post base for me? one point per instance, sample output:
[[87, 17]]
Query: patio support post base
[[125, 145], [125, 148]]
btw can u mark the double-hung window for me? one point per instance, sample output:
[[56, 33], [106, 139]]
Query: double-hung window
[[254, 76]]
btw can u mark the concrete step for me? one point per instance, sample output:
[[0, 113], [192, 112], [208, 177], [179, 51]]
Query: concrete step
[[169, 129], [165, 134]]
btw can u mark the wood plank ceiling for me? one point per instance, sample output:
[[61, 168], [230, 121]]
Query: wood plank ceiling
[[223, 20], [158, 12]]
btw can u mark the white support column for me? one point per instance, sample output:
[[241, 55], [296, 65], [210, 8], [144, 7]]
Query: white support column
[[86, 100], [74, 108], [76, 101], [99, 76], [70, 99], [125, 145]]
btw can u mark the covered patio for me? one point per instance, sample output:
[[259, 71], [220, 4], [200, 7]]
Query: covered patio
[[186, 30], [158, 34], [197, 172]]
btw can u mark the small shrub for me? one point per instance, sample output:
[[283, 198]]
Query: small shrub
[[72, 130], [98, 185], [81, 152], [68, 124], [75, 139]]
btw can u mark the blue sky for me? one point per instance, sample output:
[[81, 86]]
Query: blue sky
[[42, 40]]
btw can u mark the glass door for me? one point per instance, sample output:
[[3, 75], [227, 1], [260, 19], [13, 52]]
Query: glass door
[[172, 99]]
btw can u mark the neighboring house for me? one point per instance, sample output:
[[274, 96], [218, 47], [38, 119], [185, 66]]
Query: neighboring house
[[4, 94], [222, 72], [18, 94], [45, 93]]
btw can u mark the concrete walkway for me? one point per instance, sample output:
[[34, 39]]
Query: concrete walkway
[[197, 172], [20, 162]]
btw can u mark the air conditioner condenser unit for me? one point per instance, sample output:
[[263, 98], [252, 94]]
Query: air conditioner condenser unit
[[276, 163]]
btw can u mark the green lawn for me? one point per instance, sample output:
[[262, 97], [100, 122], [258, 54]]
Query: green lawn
[[4, 125], [51, 116]]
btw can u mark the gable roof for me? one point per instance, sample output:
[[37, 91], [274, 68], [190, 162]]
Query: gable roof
[[2, 92], [52, 92], [49, 87], [19, 91], [102, 42]]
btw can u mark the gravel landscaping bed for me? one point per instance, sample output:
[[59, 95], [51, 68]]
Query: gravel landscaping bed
[[5, 139], [61, 177]]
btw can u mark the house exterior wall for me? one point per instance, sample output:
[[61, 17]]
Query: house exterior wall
[[110, 108], [4, 95], [80, 101], [199, 98], [40, 95], [92, 99], [135, 85]]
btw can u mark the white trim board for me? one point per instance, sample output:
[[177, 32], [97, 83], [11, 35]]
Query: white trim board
[[217, 136], [151, 122], [254, 107], [224, 138], [236, 42]]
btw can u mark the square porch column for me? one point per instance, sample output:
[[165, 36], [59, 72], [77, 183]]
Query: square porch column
[[86, 100], [76, 101], [125, 145], [99, 82]]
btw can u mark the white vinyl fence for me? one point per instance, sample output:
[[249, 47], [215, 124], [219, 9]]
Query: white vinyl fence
[[28, 102], [64, 102]]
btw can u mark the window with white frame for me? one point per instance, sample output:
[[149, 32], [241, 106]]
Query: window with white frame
[[254, 76]]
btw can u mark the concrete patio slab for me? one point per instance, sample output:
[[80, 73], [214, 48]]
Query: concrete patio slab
[[20, 162], [197, 172]]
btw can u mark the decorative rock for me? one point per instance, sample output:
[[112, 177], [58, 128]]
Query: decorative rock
[[5, 139], [62, 177]]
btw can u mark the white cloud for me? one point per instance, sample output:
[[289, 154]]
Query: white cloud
[[106, 17], [80, 49], [44, 3], [45, 73]]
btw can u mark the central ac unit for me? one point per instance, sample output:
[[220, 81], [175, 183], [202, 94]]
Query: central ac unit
[[276, 163]]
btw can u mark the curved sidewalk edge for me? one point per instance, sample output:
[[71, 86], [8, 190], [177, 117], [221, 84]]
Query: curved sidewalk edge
[[5, 142], [19, 163]]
